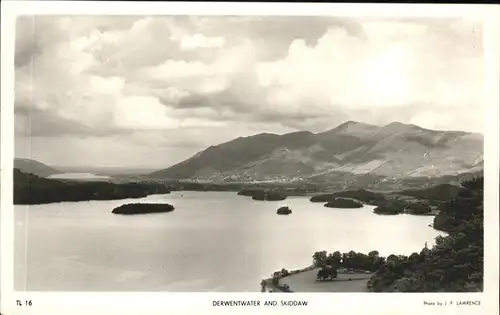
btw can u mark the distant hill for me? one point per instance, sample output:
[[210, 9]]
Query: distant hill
[[33, 189], [34, 167], [352, 151]]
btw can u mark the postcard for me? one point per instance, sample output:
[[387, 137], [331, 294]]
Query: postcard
[[214, 158]]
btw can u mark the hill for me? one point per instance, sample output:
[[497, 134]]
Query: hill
[[34, 167], [350, 152]]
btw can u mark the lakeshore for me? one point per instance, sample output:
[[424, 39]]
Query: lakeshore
[[462, 218], [304, 280]]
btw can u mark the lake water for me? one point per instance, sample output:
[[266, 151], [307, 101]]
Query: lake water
[[213, 241]]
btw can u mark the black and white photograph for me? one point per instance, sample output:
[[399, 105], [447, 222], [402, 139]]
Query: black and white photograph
[[249, 154]]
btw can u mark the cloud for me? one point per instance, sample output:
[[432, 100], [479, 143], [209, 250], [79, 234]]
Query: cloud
[[191, 42], [393, 66], [147, 76]]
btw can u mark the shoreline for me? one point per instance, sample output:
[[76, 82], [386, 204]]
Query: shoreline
[[267, 285], [268, 282]]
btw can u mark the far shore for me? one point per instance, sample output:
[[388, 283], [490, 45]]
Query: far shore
[[304, 280]]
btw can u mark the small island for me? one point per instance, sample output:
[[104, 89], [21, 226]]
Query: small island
[[269, 196], [343, 203], [362, 195], [285, 210], [143, 208], [419, 208], [399, 206], [391, 207], [263, 194], [322, 198], [388, 209]]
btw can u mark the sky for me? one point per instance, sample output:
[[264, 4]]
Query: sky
[[148, 92]]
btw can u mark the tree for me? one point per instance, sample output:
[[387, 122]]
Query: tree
[[373, 253], [321, 275], [332, 272], [263, 286], [326, 272], [334, 259], [319, 258]]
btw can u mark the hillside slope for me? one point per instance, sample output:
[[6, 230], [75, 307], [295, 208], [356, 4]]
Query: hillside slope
[[396, 151], [34, 167]]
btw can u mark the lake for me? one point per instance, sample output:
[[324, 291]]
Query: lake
[[212, 241]]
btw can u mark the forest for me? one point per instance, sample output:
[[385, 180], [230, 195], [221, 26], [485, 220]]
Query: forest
[[31, 189]]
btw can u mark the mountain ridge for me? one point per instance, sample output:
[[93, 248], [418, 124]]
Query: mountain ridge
[[393, 150]]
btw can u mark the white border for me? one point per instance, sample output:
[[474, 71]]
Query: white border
[[201, 303]]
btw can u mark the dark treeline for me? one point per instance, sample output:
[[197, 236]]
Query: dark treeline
[[385, 205], [351, 260], [418, 208], [394, 206], [343, 203], [466, 206], [200, 186], [269, 196], [243, 188], [401, 206], [31, 189], [442, 192], [362, 195], [264, 194]]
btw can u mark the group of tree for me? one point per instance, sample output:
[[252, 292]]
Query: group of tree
[[418, 208], [363, 195], [390, 209], [351, 260], [278, 275], [264, 194], [202, 186], [275, 280], [327, 273], [31, 189], [466, 206], [455, 262], [397, 206], [443, 192], [343, 203]]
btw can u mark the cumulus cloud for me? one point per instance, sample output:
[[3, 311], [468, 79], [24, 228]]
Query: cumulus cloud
[[195, 78]]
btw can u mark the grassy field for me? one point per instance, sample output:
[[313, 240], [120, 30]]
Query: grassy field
[[306, 282]]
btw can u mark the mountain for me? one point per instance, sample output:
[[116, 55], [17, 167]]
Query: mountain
[[34, 167], [352, 150]]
